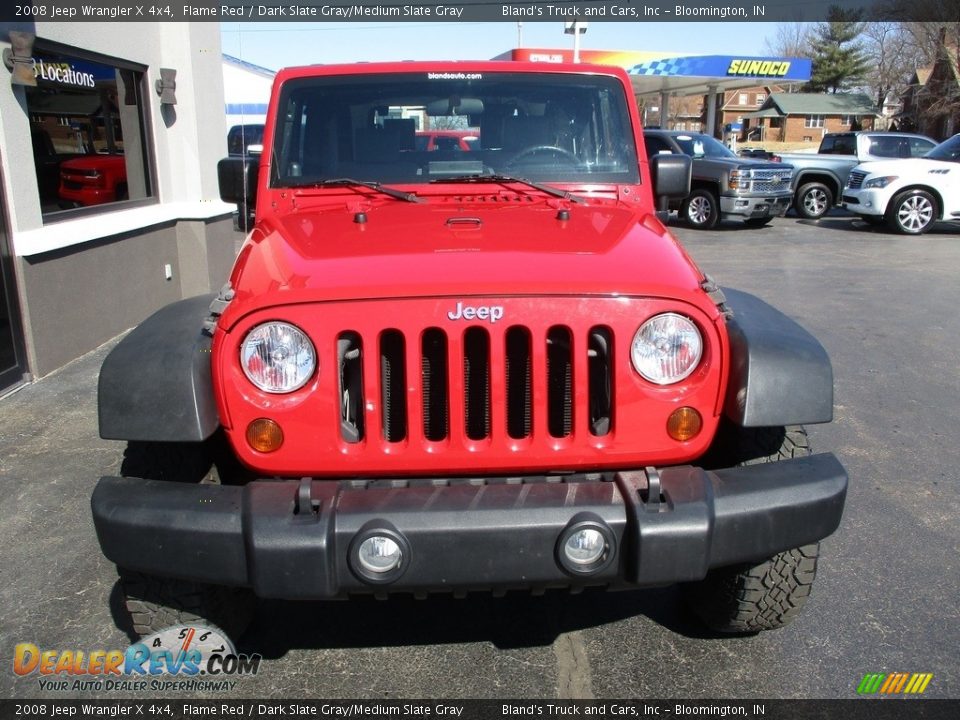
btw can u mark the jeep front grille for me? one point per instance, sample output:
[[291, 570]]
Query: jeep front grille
[[460, 375]]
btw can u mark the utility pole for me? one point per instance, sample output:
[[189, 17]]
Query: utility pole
[[575, 28]]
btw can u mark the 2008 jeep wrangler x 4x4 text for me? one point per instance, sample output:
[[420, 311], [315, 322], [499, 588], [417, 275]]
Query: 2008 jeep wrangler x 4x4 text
[[488, 370]]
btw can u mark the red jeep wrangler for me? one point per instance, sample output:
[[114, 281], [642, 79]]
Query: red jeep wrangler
[[492, 372]]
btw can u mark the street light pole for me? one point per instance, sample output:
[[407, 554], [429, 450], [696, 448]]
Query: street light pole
[[575, 28]]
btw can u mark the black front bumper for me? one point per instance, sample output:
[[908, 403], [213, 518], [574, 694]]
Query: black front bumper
[[297, 539]]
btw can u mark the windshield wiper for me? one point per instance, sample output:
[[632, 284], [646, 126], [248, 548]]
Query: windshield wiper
[[348, 182], [504, 179]]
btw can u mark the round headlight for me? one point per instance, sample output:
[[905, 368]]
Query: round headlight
[[666, 348], [278, 357]]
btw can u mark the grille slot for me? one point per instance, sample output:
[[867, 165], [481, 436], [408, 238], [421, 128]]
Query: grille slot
[[518, 366], [393, 382], [600, 378], [433, 372], [476, 383], [559, 382], [350, 374], [856, 180]]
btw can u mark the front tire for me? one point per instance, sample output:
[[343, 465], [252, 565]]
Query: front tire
[[912, 212], [769, 594], [154, 603], [813, 200], [701, 209]]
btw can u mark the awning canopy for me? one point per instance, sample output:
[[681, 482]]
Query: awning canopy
[[658, 72]]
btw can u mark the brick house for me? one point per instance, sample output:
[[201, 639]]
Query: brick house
[[737, 103], [807, 117], [931, 103]]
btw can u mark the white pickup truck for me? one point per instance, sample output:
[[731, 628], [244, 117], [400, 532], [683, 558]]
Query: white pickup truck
[[818, 178], [909, 195]]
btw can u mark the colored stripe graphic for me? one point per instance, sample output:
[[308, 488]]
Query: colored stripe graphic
[[894, 683], [870, 683]]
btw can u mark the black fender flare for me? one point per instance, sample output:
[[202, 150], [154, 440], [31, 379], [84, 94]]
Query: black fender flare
[[779, 373], [155, 385]]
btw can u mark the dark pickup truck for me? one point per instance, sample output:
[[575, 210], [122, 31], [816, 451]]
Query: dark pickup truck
[[723, 184]]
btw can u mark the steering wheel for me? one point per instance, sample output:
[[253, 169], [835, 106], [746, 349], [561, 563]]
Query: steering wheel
[[561, 153]]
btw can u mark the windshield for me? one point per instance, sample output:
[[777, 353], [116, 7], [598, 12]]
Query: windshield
[[948, 150], [696, 145], [424, 127]]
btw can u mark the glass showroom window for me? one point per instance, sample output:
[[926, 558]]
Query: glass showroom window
[[88, 131]]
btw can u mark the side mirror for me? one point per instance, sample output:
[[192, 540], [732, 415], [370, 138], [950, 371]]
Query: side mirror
[[671, 180], [237, 177]]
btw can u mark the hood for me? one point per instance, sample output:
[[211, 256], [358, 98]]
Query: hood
[[912, 167], [95, 162], [496, 245], [738, 163]]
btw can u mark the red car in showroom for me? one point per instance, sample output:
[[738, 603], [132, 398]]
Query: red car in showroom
[[93, 179]]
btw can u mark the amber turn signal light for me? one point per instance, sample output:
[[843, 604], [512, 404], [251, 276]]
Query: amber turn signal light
[[264, 435], [684, 424]]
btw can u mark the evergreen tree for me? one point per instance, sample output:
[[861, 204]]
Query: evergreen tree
[[839, 61]]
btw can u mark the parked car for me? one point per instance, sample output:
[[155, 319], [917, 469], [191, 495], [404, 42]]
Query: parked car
[[477, 379], [755, 153], [241, 137], [724, 185], [447, 140], [819, 177], [909, 195], [93, 179]]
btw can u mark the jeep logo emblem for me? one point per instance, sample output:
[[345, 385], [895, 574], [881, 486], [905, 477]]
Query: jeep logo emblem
[[483, 312]]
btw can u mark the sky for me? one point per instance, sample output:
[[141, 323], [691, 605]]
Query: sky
[[282, 44]]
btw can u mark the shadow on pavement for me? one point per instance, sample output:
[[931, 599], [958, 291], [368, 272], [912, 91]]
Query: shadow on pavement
[[514, 621]]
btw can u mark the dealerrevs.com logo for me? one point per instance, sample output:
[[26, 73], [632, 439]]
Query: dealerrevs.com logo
[[183, 657]]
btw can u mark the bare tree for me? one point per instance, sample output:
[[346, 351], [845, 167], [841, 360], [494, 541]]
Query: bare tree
[[791, 39], [892, 58]]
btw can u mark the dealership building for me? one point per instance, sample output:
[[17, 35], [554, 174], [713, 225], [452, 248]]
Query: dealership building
[[109, 206]]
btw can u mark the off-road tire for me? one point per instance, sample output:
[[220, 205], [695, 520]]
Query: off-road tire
[[912, 212], [757, 222], [156, 603], [813, 200], [153, 602], [751, 598], [701, 209], [767, 595]]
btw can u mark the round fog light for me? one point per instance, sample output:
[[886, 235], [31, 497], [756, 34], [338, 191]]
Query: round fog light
[[585, 547], [379, 554]]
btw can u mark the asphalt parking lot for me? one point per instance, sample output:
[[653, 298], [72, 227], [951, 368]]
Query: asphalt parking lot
[[886, 598]]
